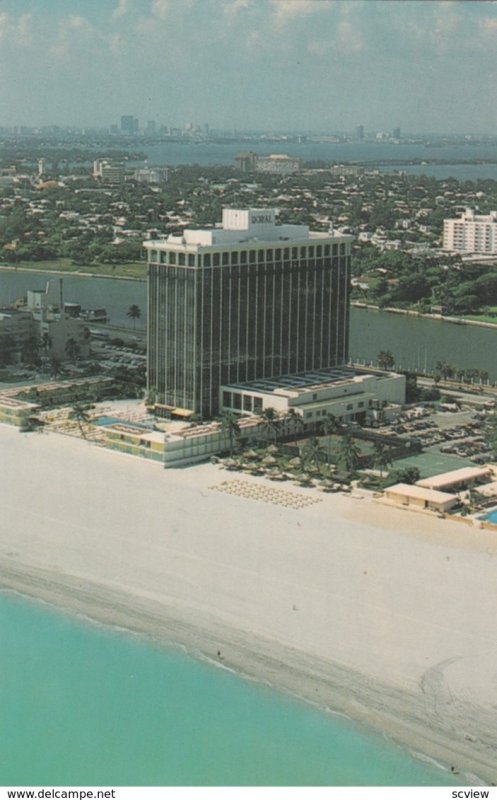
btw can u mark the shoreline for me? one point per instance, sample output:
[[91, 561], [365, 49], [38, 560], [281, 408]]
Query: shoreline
[[315, 603], [330, 689], [68, 273], [420, 315]]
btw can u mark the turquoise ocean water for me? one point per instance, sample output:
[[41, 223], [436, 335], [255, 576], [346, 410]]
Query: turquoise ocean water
[[85, 705]]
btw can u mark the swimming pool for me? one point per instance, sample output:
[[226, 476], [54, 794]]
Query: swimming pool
[[115, 420], [491, 516]]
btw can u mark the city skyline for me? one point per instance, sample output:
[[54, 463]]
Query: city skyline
[[251, 64]]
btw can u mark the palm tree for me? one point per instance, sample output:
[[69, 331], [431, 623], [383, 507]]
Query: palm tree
[[445, 369], [79, 413], [72, 349], [30, 351], [46, 342], [328, 426], [292, 421], [270, 423], [381, 457], [55, 366], [229, 425], [349, 454], [312, 453], [134, 313], [385, 359]]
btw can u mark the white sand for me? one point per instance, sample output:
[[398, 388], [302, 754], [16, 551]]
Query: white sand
[[386, 615]]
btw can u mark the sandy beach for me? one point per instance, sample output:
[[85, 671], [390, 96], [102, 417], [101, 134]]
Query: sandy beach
[[385, 615]]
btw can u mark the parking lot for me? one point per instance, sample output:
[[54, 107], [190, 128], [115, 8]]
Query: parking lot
[[450, 439]]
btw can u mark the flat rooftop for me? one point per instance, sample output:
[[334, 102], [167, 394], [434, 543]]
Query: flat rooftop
[[300, 381], [454, 477], [420, 493]]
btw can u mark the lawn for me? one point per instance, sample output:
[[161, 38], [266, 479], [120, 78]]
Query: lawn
[[131, 269]]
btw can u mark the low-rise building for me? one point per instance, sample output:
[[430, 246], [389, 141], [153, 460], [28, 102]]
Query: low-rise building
[[419, 498], [347, 394]]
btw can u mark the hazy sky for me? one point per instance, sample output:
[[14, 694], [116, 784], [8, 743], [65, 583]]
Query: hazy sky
[[426, 65]]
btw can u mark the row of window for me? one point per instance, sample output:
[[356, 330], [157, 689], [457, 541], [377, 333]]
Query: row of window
[[247, 256], [242, 402]]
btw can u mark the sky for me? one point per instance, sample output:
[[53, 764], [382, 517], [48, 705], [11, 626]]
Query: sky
[[273, 65]]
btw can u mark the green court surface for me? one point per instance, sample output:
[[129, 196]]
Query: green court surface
[[432, 463]]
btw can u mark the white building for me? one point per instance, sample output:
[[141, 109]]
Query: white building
[[471, 233], [107, 171], [347, 394]]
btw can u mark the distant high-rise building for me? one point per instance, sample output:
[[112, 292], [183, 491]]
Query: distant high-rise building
[[359, 132], [129, 124], [245, 301], [471, 233], [151, 129], [396, 133]]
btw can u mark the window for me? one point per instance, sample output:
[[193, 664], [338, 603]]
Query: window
[[350, 406], [225, 259], [191, 260], [326, 249], [215, 259], [311, 252], [319, 251], [252, 256], [260, 255], [207, 260], [227, 399], [277, 254], [257, 404], [234, 259], [360, 405], [247, 402], [295, 252], [237, 400], [172, 258], [243, 257], [286, 253], [181, 259]]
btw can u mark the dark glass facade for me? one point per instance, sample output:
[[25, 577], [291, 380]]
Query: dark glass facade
[[224, 316]]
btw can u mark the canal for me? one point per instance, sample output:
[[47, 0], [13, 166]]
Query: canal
[[416, 343]]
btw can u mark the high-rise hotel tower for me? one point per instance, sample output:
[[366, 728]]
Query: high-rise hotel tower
[[247, 300]]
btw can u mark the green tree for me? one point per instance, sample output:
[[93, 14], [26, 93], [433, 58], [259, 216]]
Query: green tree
[[349, 454], [381, 457], [293, 422], [80, 414], [312, 453], [230, 426], [134, 313], [30, 352], [270, 424], [329, 426], [385, 359], [72, 349]]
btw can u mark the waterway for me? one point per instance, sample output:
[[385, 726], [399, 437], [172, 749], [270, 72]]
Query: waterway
[[399, 156], [417, 343]]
